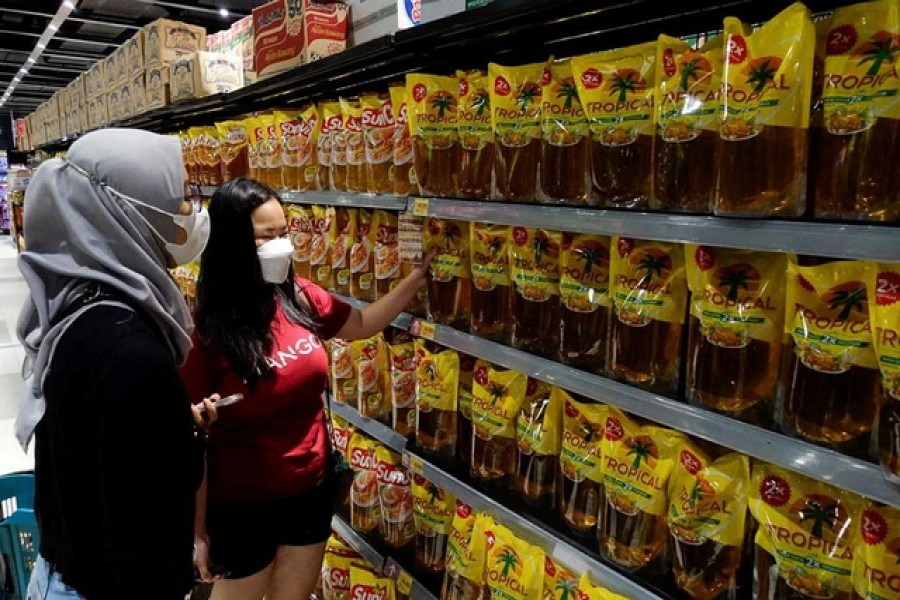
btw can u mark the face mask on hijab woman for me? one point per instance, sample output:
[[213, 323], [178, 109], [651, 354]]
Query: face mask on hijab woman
[[106, 215]]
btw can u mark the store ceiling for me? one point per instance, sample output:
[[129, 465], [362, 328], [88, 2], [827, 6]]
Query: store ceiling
[[93, 30]]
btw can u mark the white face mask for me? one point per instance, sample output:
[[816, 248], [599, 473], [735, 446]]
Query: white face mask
[[275, 259], [197, 227]]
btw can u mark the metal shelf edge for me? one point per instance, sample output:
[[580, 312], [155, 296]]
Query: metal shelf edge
[[386, 202], [553, 545], [379, 431], [357, 542], [838, 240]]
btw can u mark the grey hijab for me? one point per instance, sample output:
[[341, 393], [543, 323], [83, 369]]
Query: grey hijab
[[81, 230]]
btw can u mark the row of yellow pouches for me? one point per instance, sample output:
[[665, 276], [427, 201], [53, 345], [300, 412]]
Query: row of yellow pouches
[[346, 575], [652, 497], [811, 345], [737, 126]]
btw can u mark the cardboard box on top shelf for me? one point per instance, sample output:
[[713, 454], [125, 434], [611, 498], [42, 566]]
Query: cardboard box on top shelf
[[214, 42], [432, 10], [98, 115], [108, 80], [242, 42], [95, 78], [126, 109], [113, 108], [134, 56], [120, 65], [138, 95], [205, 73], [284, 39], [84, 123], [156, 86], [166, 41]]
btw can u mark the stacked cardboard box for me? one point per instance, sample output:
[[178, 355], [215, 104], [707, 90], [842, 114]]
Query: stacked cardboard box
[[285, 38], [205, 73], [165, 42]]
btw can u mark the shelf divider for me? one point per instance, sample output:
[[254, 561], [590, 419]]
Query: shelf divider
[[819, 463], [373, 428], [837, 240]]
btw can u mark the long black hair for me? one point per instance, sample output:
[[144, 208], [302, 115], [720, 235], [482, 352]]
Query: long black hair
[[235, 306]]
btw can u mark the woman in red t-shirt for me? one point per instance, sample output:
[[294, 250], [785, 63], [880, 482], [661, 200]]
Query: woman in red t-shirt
[[258, 333]]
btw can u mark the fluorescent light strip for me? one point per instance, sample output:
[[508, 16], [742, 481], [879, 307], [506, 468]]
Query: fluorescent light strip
[[53, 26]]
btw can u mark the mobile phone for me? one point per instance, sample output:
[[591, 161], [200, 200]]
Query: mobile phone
[[226, 401]]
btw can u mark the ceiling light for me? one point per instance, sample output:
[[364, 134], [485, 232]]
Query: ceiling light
[[53, 27], [69, 4], [224, 12], [30, 61], [41, 45], [23, 71], [16, 79]]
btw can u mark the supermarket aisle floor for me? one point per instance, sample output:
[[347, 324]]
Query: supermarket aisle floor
[[12, 294]]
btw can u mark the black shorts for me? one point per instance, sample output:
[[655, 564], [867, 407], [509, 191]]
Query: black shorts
[[244, 536]]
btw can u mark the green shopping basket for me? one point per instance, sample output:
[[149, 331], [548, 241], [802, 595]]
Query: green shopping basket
[[19, 540]]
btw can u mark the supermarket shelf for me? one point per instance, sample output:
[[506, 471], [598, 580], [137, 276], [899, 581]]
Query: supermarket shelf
[[807, 459], [417, 591], [819, 463], [404, 321], [529, 531], [844, 240], [379, 431], [357, 542], [346, 199]]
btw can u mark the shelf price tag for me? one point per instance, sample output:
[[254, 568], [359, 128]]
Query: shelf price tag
[[404, 582], [420, 207], [423, 329]]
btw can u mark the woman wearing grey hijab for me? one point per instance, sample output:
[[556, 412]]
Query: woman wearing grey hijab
[[117, 460]]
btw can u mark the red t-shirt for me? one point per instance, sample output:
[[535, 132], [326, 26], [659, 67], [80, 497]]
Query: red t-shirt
[[273, 443]]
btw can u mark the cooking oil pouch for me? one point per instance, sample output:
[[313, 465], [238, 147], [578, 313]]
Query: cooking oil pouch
[[324, 235], [345, 224], [330, 114], [270, 150], [372, 365], [466, 381], [362, 264], [688, 88], [475, 129], [589, 591], [534, 262], [333, 116], [616, 90], [581, 455], [451, 238], [433, 109], [298, 131], [403, 387], [807, 527], [648, 281], [884, 286], [767, 74], [563, 121], [233, 149], [876, 570], [403, 175], [830, 324], [708, 498], [396, 497], [466, 545], [353, 126], [514, 569], [365, 584], [387, 246], [364, 506], [540, 432], [637, 463], [515, 102], [336, 571], [336, 545], [433, 508], [490, 257], [287, 128], [437, 379], [343, 372], [378, 129], [341, 432], [300, 220], [736, 295], [497, 397], [584, 272], [559, 582]]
